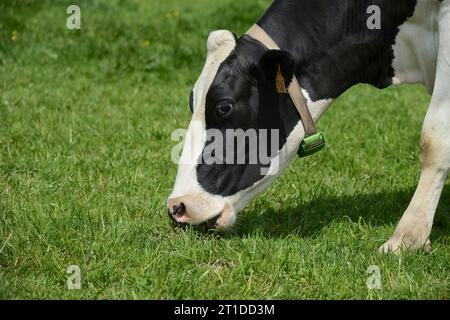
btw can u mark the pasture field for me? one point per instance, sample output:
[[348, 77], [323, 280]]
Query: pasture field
[[86, 118]]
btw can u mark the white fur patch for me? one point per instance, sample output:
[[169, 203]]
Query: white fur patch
[[416, 46]]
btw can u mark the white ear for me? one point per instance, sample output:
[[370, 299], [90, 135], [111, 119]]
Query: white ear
[[220, 38]]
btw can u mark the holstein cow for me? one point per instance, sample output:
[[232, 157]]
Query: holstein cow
[[312, 51]]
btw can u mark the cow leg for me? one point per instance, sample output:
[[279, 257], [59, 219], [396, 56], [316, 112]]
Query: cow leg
[[415, 225]]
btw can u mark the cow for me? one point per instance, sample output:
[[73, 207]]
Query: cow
[[327, 46]]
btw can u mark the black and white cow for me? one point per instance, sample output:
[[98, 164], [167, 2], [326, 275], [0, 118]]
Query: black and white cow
[[329, 48]]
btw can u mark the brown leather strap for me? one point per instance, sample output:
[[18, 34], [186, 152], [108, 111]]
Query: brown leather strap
[[294, 89]]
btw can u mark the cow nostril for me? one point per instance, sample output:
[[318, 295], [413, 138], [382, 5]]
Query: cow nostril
[[179, 210]]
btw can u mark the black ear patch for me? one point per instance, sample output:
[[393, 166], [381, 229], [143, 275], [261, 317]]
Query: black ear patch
[[268, 66]]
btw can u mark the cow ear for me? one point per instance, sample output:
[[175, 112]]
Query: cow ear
[[277, 66]]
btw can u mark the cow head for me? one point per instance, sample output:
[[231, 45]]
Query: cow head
[[233, 100]]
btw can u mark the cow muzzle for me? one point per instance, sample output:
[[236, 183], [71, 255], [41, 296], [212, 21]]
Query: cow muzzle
[[201, 209]]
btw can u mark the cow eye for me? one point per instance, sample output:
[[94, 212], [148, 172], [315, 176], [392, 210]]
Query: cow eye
[[191, 101], [224, 109]]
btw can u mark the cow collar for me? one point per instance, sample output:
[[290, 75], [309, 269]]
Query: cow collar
[[314, 141]]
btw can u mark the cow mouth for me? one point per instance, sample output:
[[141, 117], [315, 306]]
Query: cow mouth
[[210, 224]]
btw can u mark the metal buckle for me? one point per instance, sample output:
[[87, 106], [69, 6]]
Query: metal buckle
[[311, 144]]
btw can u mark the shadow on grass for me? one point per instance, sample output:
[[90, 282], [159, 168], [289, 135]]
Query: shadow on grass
[[309, 219]]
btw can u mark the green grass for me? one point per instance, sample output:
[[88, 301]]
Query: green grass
[[85, 124]]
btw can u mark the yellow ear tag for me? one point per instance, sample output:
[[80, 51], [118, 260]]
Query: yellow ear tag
[[279, 81]]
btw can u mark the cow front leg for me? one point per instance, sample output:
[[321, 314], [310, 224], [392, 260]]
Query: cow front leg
[[414, 228]]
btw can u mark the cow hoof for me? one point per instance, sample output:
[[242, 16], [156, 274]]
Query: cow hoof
[[398, 245]]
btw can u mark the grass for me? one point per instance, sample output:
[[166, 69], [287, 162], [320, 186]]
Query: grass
[[85, 123]]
